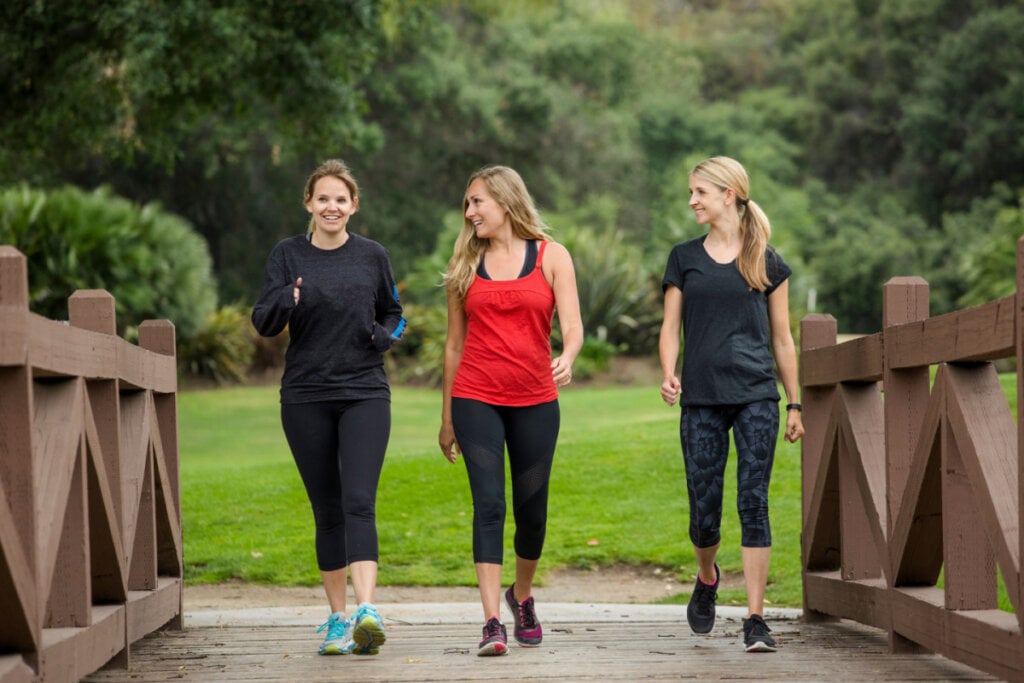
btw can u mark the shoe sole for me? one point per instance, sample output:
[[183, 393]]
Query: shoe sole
[[492, 650], [333, 650], [368, 636], [760, 647], [527, 642]]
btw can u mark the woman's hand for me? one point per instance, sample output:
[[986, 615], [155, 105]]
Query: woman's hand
[[561, 371], [295, 292], [670, 390], [794, 426], [446, 439]]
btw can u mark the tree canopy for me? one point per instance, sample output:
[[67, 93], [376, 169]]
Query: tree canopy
[[881, 137]]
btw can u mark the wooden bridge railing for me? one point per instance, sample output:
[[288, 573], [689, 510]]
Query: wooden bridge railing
[[90, 511], [907, 478]]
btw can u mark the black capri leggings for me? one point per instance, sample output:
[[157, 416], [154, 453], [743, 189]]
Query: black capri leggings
[[704, 432], [482, 431], [339, 449]]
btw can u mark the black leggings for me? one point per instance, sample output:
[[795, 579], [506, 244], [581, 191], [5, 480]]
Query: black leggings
[[339, 448], [482, 431], [704, 432]]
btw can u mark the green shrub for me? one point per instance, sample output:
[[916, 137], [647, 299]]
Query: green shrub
[[268, 352], [223, 347], [153, 263], [419, 357], [619, 300], [595, 356]]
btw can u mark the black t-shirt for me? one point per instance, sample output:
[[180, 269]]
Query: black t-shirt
[[727, 358], [347, 299]]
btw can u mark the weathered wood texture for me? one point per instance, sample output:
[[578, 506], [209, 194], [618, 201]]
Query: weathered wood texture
[[90, 521], [626, 651], [907, 477]]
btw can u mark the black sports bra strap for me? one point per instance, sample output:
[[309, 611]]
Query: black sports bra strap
[[529, 262]]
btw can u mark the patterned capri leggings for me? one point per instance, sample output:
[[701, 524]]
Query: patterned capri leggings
[[704, 433]]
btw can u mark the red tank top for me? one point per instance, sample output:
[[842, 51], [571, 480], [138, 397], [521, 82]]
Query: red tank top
[[506, 358]]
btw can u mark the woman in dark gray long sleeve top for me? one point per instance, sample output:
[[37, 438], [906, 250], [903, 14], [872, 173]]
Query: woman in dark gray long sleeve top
[[335, 292]]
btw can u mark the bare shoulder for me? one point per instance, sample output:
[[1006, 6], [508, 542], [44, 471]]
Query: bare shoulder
[[558, 253]]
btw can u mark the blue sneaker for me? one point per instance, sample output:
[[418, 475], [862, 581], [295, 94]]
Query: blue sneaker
[[339, 635], [367, 630]]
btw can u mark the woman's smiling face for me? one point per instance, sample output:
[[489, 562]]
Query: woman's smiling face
[[483, 212], [707, 200], [331, 205]]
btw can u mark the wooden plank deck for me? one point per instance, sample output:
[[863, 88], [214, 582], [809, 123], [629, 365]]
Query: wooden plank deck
[[636, 645]]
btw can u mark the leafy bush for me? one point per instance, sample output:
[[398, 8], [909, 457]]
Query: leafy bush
[[222, 349], [988, 265], [419, 358], [152, 262], [268, 352], [619, 297], [595, 356]]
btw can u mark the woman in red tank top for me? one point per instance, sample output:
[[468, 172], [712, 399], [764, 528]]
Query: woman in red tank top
[[505, 281]]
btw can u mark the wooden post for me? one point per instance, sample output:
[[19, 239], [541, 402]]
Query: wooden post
[[816, 331], [20, 629], [13, 278], [159, 336], [904, 300], [94, 309], [16, 397]]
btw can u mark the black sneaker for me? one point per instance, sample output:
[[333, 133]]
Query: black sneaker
[[495, 640], [700, 613], [755, 635]]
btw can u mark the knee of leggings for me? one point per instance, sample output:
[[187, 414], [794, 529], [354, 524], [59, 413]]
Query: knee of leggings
[[529, 543], [489, 514], [755, 530], [328, 516], [705, 538], [531, 522], [362, 508]]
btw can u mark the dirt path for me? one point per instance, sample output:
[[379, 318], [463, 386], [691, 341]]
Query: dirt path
[[618, 584]]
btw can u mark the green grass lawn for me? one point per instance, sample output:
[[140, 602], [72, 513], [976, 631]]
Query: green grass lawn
[[618, 494]]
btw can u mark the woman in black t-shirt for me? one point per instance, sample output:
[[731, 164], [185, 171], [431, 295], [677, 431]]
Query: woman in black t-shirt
[[728, 292]]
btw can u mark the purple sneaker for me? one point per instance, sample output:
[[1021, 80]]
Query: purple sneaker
[[494, 642], [527, 631]]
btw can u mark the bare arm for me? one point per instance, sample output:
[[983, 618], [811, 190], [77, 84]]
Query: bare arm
[[784, 351], [668, 344], [558, 263], [452, 357]]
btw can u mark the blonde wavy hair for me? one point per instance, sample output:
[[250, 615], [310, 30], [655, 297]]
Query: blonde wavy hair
[[755, 229], [507, 188], [335, 168]]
